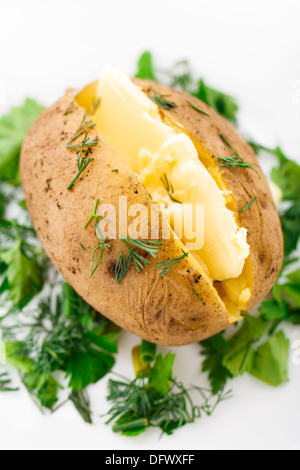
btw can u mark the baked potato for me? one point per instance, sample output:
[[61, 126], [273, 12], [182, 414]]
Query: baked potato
[[155, 147]]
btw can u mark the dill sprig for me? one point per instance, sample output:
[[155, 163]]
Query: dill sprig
[[137, 406], [198, 297], [134, 257], [169, 188], [96, 104], [249, 204], [165, 266], [81, 402], [83, 148], [162, 102], [236, 160], [196, 109], [70, 108], [103, 245], [85, 127], [5, 383], [95, 216]]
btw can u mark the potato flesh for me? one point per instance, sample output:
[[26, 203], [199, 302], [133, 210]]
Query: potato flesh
[[130, 122]]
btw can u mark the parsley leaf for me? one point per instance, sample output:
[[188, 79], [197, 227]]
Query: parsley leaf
[[23, 274], [214, 350], [145, 67], [87, 367], [13, 129], [269, 362], [240, 345], [290, 221], [273, 310], [221, 102], [287, 176]]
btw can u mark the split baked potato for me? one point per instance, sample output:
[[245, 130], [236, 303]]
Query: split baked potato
[[155, 147]]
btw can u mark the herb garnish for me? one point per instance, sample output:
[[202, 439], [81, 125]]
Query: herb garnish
[[5, 383], [95, 216], [83, 148], [236, 160], [124, 262], [196, 109], [162, 102], [70, 108], [156, 399], [103, 243], [62, 333], [169, 188], [165, 266], [198, 297], [249, 204]]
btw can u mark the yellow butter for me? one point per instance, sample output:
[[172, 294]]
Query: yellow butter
[[130, 122]]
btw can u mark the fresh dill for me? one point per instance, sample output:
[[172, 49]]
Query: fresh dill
[[96, 104], [157, 400], [95, 216], [169, 188], [134, 257], [236, 160], [162, 102], [84, 128], [5, 383], [249, 204], [82, 149], [198, 297], [196, 109], [165, 266], [70, 108], [82, 404], [63, 333], [103, 245]]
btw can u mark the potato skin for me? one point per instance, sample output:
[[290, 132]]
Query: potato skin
[[163, 310]]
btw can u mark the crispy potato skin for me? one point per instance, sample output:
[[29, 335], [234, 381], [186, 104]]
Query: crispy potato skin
[[162, 310]]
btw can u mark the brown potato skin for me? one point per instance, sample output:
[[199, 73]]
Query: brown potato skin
[[162, 310]]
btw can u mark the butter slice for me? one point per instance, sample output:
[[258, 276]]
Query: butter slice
[[131, 123]]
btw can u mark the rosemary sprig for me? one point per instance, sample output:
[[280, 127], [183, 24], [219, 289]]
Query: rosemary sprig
[[165, 266], [95, 216], [236, 160], [162, 102], [83, 148], [169, 188], [196, 109], [249, 204], [124, 262]]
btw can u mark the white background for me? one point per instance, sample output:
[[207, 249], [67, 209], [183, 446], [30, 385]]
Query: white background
[[249, 49]]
